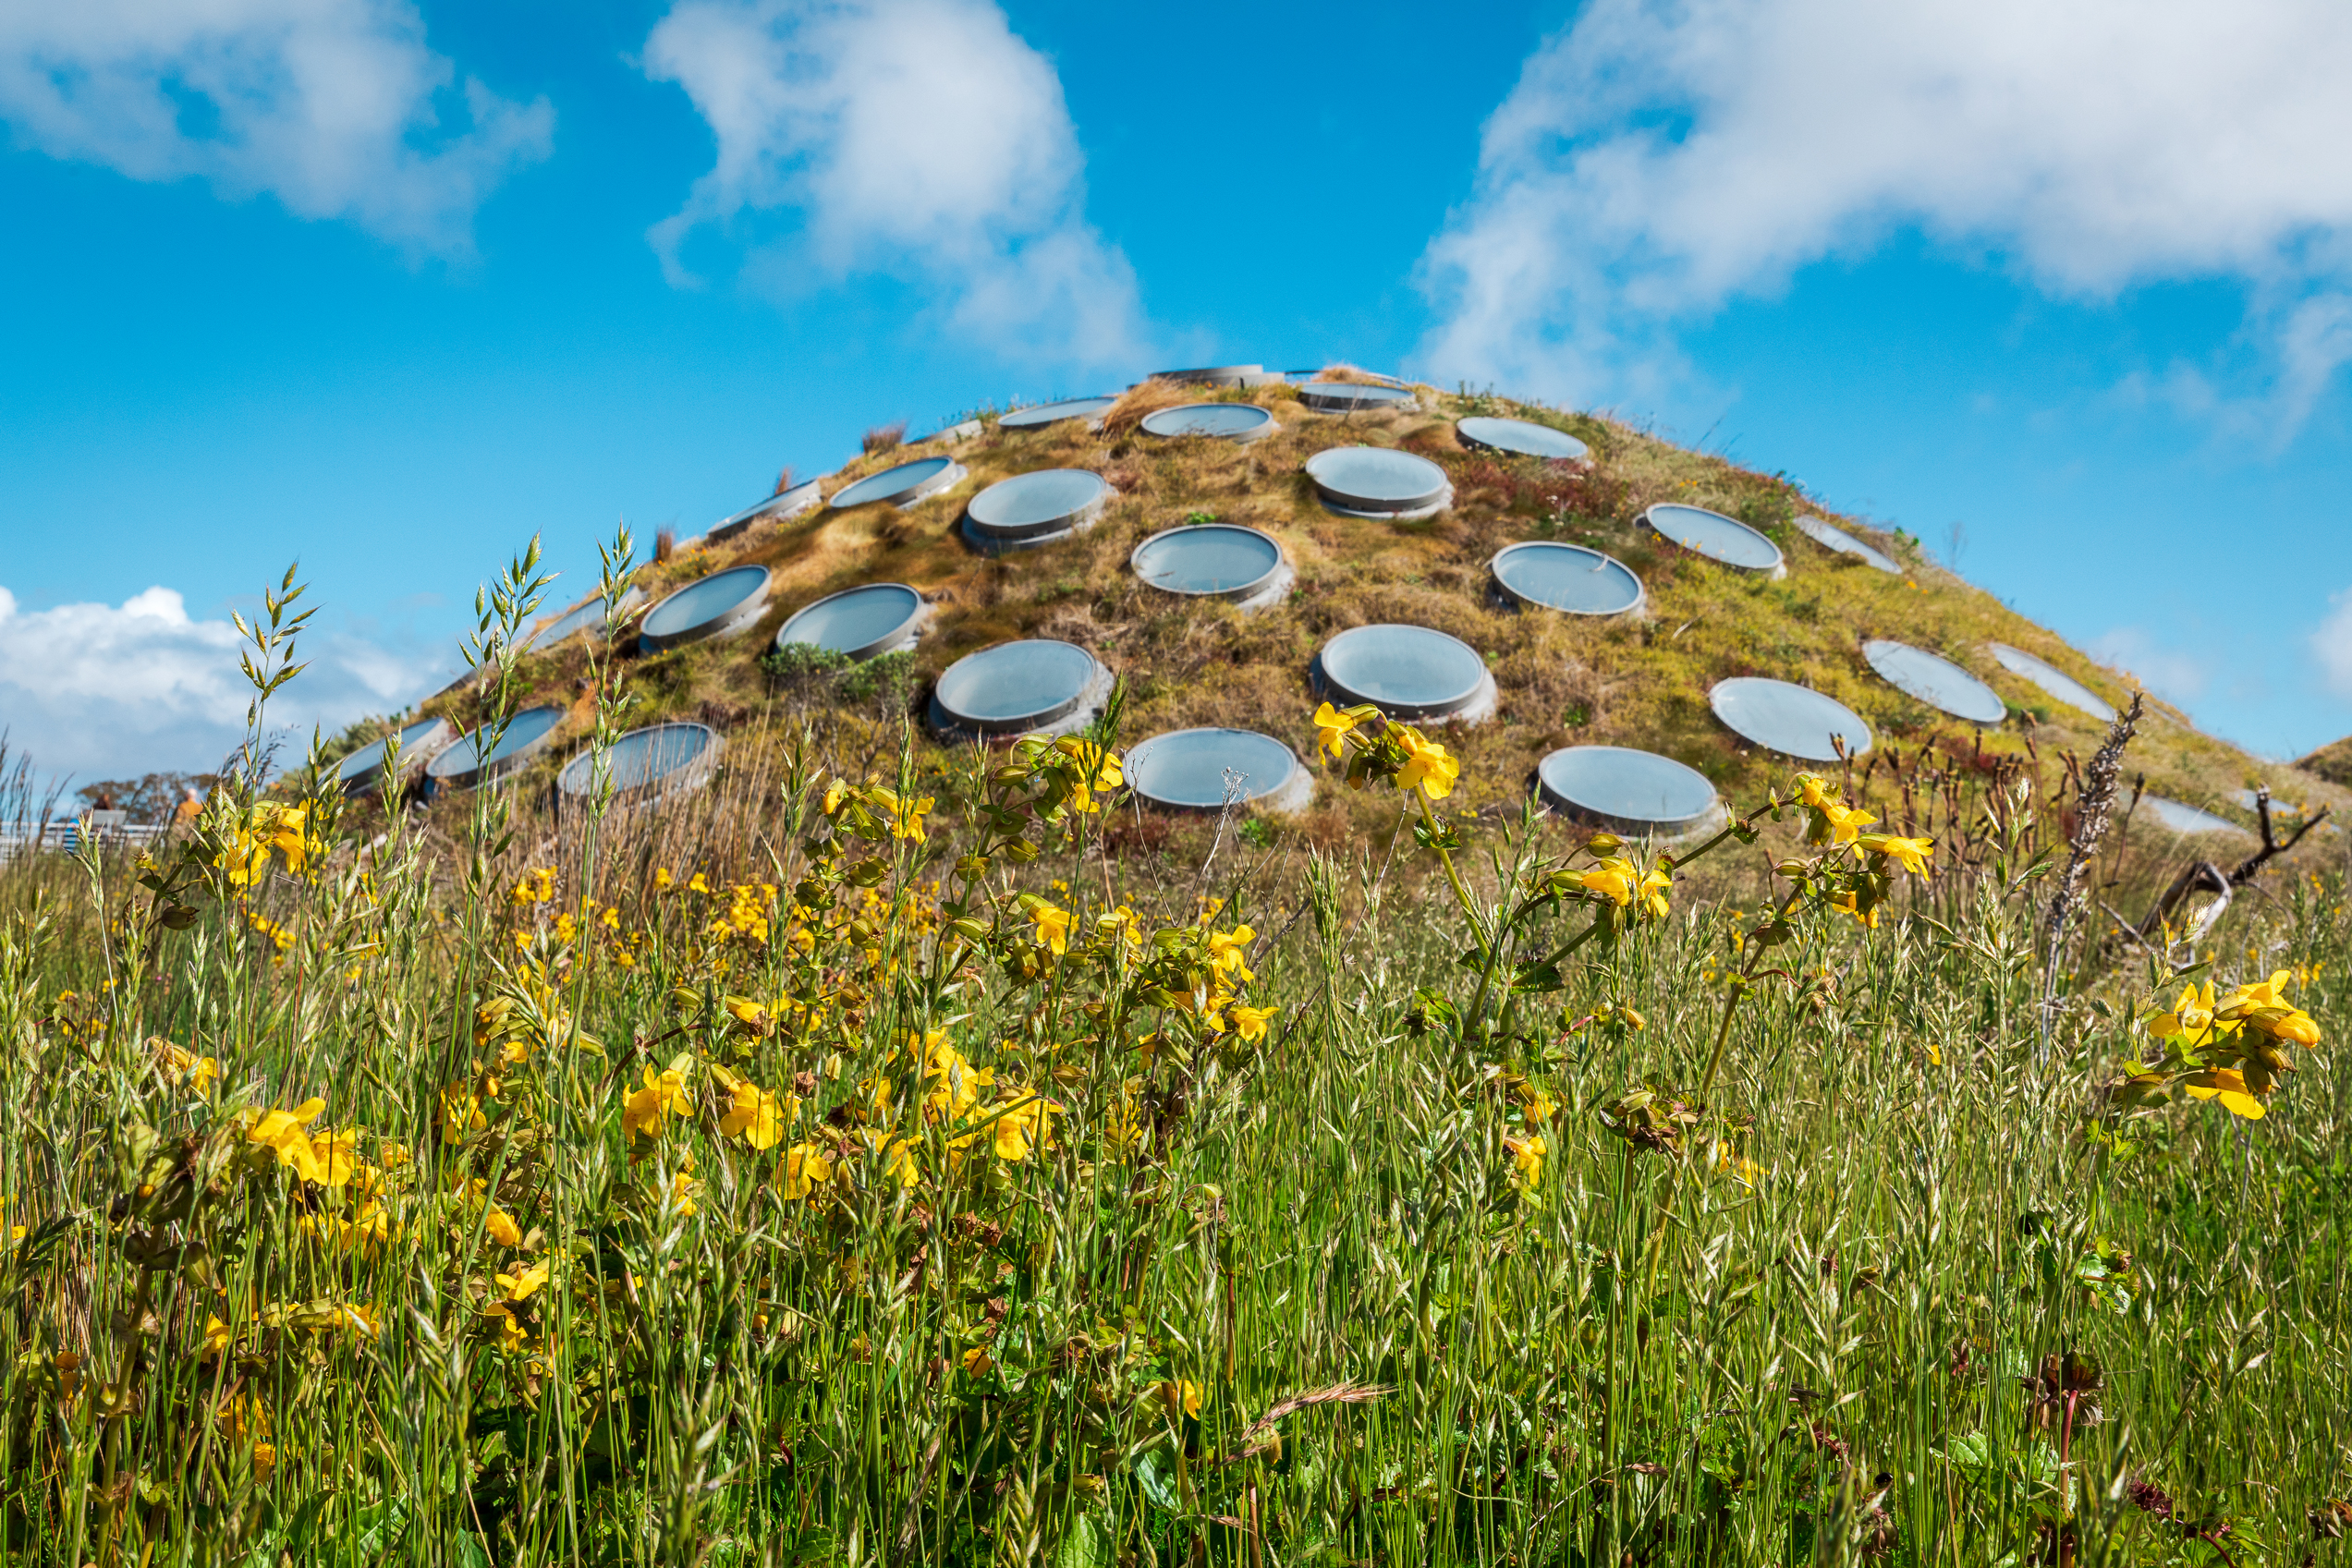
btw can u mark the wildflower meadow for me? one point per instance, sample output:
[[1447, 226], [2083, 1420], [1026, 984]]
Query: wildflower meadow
[[863, 1161]]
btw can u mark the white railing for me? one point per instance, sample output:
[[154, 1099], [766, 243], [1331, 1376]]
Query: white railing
[[62, 834]]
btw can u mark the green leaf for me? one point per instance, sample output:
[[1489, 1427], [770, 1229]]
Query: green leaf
[[1087, 1546]]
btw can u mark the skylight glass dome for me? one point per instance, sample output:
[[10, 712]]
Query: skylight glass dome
[[1379, 483], [719, 605], [1936, 681], [1039, 415], [901, 486], [420, 743], [879, 617], [1830, 536], [1353, 398], [1214, 561], [2052, 680], [1215, 421], [1630, 791], [2187, 820], [1725, 539], [1019, 688], [1035, 508], [1795, 721], [1566, 578], [645, 763], [464, 763], [784, 506], [586, 617], [1205, 770], [1523, 437], [1411, 673]]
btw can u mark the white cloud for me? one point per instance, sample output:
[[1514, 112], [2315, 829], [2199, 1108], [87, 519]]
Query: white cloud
[[2178, 677], [917, 137], [1661, 157], [334, 106], [2332, 645], [103, 691]]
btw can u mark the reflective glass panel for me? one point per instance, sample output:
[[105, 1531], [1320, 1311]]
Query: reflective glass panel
[[1637, 786], [1209, 558], [1845, 543], [368, 759], [891, 483], [859, 618], [1407, 666], [1036, 500], [1353, 395], [1937, 681], [1189, 767], [643, 757], [1376, 478], [1226, 420], [2056, 682], [525, 730], [1015, 680], [699, 604], [1522, 436], [1050, 413], [1715, 536], [2187, 818], [1792, 720], [1569, 577]]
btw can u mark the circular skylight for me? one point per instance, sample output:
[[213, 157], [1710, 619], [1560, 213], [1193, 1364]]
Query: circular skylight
[[1352, 397], [464, 763], [2056, 682], [1054, 413], [1567, 577], [586, 617], [1409, 672], [1378, 481], [783, 504], [880, 617], [1215, 375], [650, 762], [1213, 560], [1206, 769], [901, 486], [1937, 681], [1524, 437], [1018, 687], [1792, 720], [720, 605], [1830, 536], [2189, 819], [1716, 537], [1035, 508], [1614, 786], [1220, 421], [363, 770]]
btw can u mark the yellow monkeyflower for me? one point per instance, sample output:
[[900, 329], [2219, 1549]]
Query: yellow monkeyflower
[[1428, 767], [2191, 1017], [1102, 768], [1846, 902], [1613, 879], [1025, 1125], [523, 1282], [1909, 853], [1053, 927], [502, 1228], [1652, 892], [1331, 730], [906, 815], [282, 1131], [756, 1114], [662, 1095], [511, 1337], [1526, 1161], [1729, 1160], [1249, 1023], [336, 1157], [1833, 820], [2228, 1085], [460, 1114], [805, 1166], [897, 1155], [1227, 949], [217, 1336], [976, 1361], [2263, 1007], [180, 1064], [1180, 1396]]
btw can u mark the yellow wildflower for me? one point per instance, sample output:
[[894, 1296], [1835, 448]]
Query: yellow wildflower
[[1180, 1396], [1526, 1161], [282, 1131], [1909, 853], [2228, 1084], [1249, 1023], [1427, 765], [1613, 879], [502, 1228], [523, 1282], [755, 1114], [1053, 927], [662, 1095], [805, 1166], [1331, 730]]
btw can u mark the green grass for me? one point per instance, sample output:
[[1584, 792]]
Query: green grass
[[1403, 1351]]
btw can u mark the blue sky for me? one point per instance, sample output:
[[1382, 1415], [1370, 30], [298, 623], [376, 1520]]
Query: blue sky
[[392, 287]]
